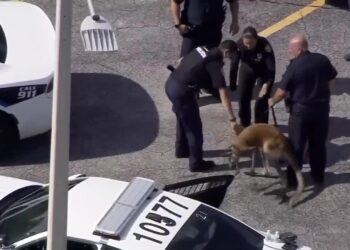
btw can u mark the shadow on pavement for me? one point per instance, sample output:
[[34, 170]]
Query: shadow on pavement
[[110, 115], [331, 179]]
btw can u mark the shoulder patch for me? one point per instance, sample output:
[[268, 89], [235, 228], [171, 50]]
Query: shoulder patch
[[268, 49]]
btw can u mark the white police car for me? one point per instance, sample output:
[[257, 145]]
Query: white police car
[[106, 214], [27, 40]]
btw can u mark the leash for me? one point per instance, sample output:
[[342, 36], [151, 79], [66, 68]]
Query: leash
[[274, 117]]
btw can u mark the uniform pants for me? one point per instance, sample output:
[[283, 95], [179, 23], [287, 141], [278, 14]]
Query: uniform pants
[[201, 36], [247, 78], [189, 133], [309, 124]]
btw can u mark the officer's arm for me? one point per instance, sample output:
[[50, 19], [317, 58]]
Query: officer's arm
[[217, 78], [331, 73], [279, 95], [270, 64], [234, 9], [175, 10], [285, 85], [234, 71], [226, 102]]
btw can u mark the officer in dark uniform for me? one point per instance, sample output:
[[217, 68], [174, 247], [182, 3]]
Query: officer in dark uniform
[[180, 89], [307, 81], [255, 62], [200, 22]]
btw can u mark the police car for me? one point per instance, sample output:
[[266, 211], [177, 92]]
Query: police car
[[106, 214], [27, 40]]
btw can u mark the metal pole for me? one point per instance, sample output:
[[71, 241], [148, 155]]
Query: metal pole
[[91, 7], [57, 217]]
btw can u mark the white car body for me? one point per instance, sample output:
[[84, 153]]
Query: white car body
[[90, 200], [28, 69]]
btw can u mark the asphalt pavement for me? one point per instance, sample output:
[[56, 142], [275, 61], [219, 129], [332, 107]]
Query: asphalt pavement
[[122, 124]]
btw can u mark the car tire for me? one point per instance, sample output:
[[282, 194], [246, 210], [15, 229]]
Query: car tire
[[9, 136]]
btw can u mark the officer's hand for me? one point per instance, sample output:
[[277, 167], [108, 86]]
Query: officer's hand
[[184, 29], [234, 28], [271, 102], [236, 128], [263, 90]]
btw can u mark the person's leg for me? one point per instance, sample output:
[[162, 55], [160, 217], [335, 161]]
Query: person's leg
[[317, 147], [246, 81], [261, 110], [181, 144], [297, 133], [188, 44], [192, 124], [175, 92]]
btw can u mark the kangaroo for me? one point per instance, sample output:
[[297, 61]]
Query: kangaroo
[[274, 146]]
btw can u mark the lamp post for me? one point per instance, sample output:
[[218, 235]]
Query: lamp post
[[59, 159]]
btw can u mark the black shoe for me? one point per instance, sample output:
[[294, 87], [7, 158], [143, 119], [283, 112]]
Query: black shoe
[[203, 166], [318, 179]]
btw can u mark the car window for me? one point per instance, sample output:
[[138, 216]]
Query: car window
[[3, 46], [208, 229], [26, 217], [105, 247], [71, 245]]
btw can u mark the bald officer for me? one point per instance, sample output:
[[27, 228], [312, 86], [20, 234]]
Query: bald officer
[[307, 83]]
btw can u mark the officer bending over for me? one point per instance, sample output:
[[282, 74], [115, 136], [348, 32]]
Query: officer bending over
[[180, 88], [307, 82], [255, 62]]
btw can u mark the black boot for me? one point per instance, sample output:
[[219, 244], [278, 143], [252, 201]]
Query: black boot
[[202, 166]]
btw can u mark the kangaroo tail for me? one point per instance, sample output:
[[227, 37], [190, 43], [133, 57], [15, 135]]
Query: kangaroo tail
[[300, 179]]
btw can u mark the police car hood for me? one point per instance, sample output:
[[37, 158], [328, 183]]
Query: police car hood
[[91, 199], [9, 185]]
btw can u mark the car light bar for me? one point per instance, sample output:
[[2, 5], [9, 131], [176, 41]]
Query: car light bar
[[124, 208]]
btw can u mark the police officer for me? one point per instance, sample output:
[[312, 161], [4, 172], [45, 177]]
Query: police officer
[[255, 62], [180, 90], [200, 22], [307, 81]]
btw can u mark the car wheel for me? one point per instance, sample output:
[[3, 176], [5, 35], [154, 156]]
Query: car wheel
[[8, 135]]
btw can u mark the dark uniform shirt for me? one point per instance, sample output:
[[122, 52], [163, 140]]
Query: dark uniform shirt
[[306, 80], [200, 67], [261, 59], [199, 12]]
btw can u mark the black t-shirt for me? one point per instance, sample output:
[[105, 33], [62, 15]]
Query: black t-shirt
[[199, 12], [306, 79], [261, 59], [200, 68]]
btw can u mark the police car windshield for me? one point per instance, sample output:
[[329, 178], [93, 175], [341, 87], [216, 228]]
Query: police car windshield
[[23, 219], [3, 46], [27, 216], [209, 229]]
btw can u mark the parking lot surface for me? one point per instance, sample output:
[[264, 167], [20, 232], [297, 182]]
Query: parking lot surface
[[122, 124]]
